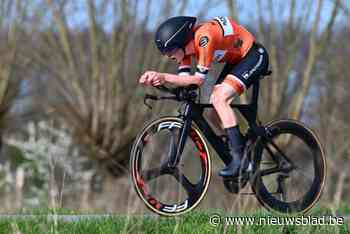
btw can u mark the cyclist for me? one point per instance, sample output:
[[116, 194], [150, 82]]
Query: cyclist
[[218, 40]]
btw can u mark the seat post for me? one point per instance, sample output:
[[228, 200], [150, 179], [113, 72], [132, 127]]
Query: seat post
[[254, 103], [256, 86], [255, 95]]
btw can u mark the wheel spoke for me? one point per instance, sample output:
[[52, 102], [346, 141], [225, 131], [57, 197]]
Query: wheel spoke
[[182, 179], [272, 155], [172, 147], [279, 152], [151, 174]]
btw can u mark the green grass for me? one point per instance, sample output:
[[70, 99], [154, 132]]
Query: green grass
[[195, 222]]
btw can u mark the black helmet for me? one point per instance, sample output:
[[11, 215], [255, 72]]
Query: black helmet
[[174, 33]]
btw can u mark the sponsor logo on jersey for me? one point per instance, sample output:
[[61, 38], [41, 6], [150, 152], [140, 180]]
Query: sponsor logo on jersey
[[225, 25], [222, 20], [247, 74], [203, 41]]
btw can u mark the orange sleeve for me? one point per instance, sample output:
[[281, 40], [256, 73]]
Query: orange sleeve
[[205, 47]]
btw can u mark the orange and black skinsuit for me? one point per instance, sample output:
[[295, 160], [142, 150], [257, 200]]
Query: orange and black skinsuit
[[223, 40]]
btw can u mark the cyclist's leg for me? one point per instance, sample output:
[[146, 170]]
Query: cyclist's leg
[[235, 83], [221, 97], [212, 113], [214, 119], [235, 79]]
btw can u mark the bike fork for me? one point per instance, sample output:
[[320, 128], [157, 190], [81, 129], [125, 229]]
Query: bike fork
[[176, 154]]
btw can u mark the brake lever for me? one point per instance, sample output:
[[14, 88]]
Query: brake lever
[[149, 96]]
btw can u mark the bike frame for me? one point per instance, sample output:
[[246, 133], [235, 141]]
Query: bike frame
[[194, 112]]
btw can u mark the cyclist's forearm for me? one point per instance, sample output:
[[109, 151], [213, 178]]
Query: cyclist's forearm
[[183, 80]]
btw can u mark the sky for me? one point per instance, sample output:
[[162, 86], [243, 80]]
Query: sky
[[247, 11]]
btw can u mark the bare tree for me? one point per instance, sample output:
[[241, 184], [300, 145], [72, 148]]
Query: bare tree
[[332, 107], [290, 83], [95, 69], [232, 8], [11, 15]]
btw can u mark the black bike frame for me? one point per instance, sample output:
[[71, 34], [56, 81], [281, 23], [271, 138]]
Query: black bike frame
[[194, 112]]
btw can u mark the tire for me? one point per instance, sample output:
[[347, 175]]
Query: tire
[[313, 149], [140, 180]]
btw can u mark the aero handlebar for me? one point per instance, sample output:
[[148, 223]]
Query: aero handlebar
[[179, 94]]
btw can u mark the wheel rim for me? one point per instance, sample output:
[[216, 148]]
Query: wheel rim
[[159, 193], [306, 198]]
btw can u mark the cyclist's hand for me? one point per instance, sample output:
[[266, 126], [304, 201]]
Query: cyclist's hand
[[146, 78], [152, 78], [158, 79]]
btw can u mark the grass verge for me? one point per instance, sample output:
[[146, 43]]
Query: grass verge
[[195, 222]]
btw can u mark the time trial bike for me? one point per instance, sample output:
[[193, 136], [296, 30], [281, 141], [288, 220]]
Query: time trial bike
[[171, 162]]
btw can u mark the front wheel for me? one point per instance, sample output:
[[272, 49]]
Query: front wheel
[[165, 190], [289, 168]]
